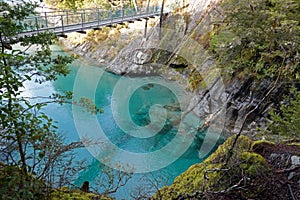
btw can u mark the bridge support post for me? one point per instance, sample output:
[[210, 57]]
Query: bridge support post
[[145, 31], [161, 17], [111, 15], [82, 21], [62, 24], [46, 20], [37, 24], [98, 17], [146, 23], [83, 15], [67, 17]]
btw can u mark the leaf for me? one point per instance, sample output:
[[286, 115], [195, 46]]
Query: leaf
[[27, 77]]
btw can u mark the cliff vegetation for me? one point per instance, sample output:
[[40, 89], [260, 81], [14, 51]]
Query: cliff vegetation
[[255, 170]]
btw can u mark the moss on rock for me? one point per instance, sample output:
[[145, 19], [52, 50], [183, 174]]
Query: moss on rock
[[214, 173], [67, 193], [253, 163]]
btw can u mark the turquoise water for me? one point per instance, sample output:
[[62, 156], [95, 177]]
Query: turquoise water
[[152, 100]]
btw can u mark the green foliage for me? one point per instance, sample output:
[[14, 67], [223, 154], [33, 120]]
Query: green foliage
[[214, 175], [286, 121], [89, 105], [194, 80], [30, 145], [68, 194], [34, 157], [259, 37], [253, 163], [79, 4], [10, 175]]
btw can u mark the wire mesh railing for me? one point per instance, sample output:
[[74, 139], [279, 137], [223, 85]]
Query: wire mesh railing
[[59, 21]]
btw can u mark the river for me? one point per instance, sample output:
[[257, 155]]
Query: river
[[128, 104]]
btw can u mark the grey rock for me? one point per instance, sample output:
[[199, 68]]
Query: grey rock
[[141, 56], [292, 175], [295, 160]]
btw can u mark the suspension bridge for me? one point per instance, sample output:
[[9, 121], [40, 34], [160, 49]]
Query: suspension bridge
[[60, 22]]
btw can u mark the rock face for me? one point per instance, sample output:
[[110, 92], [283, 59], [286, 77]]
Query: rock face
[[102, 45], [178, 53]]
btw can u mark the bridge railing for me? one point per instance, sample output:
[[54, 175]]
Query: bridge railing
[[61, 19]]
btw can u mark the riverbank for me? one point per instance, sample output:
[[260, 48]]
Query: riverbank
[[255, 170], [103, 45]]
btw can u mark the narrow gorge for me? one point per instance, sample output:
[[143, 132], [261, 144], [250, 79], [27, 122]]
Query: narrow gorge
[[148, 99], [229, 104]]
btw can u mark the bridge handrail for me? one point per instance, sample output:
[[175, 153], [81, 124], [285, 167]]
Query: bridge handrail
[[83, 18]]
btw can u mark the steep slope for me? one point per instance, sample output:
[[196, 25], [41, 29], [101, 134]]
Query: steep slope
[[256, 170]]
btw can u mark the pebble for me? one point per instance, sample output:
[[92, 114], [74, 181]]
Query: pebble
[[295, 160]]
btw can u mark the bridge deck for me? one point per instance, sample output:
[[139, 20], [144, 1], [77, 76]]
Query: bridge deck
[[71, 22]]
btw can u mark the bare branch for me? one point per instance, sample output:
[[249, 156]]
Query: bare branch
[[233, 187]]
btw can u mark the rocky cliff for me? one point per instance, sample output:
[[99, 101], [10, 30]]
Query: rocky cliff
[[178, 52]]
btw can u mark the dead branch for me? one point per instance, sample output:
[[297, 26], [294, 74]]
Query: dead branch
[[292, 168], [213, 170], [64, 149], [235, 186], [123, 178], [291, 191]]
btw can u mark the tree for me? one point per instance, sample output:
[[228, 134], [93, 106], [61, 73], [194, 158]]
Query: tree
[[34, 157], [30, 145], [258, 37], [286, 121]]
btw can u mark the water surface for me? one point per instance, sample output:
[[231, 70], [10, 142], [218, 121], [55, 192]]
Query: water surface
[[145, 100]]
